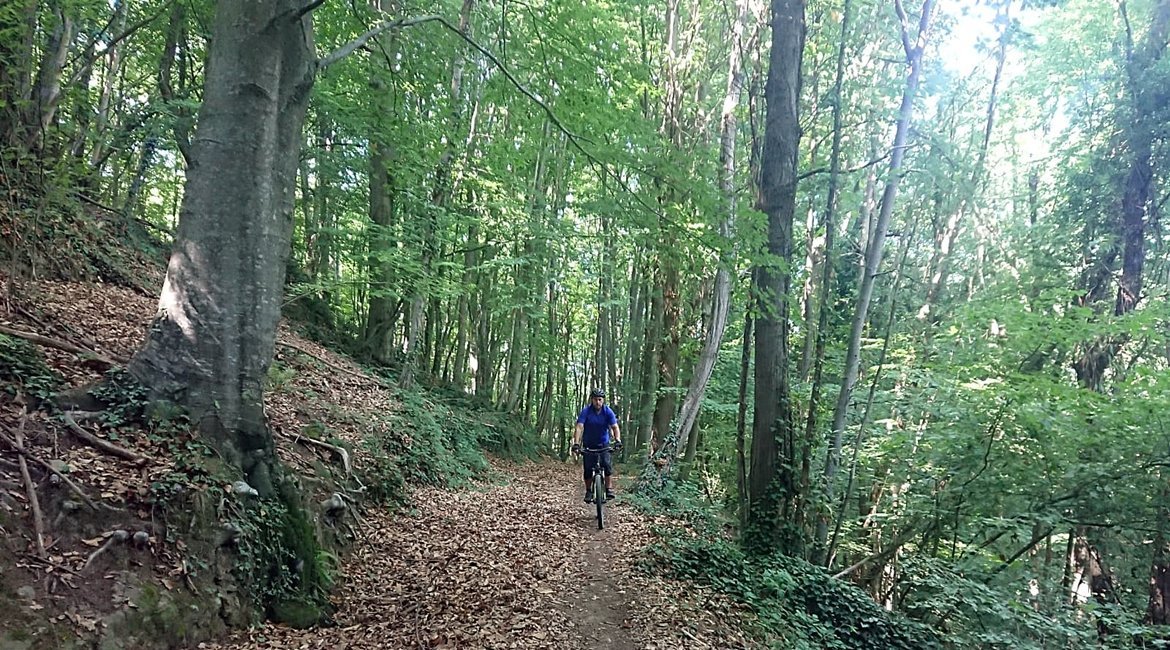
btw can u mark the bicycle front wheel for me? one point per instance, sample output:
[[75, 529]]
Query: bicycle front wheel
[[599, 498]]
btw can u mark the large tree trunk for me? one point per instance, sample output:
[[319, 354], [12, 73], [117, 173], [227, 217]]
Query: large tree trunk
[[671, 130], [211, 342], [873, 254], [1135, 210], [774, 454]]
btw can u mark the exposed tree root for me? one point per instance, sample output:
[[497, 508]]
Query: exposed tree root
[[116, 537], [340, 452], [103, 445]]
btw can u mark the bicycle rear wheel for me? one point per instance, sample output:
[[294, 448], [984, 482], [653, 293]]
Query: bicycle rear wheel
[[599, 498]]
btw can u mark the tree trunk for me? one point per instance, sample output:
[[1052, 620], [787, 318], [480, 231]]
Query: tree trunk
[[817, 354], [382, 313], [721, 299], [774, 455], [111, 70], [46, 94], [873, 254], [463, 324], [176, 35], [18, 28], [440, 199], [745, 361], [649, 372], [210, 345], [635, 352]]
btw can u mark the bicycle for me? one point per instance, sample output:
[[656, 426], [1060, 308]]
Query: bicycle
[[598, 481]]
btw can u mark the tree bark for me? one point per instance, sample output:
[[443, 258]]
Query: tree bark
[[382, 313], [46, 93], [16, 55], [210, 345], [721, 298], [774, 453]]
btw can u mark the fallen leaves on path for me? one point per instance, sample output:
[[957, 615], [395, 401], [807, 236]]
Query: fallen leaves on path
[[519, 564]]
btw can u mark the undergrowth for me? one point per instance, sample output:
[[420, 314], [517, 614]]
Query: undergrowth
[[799, 606], [23, 370], [438, 442], [57, 237], [796, 605]]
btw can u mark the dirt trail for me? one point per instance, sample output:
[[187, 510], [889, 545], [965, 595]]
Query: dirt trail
[[518, 565]]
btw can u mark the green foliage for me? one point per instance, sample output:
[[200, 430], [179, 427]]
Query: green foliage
[[680, 501], [125, 399], [160, 615], [797, 605], [432, 440], [280, 562], [23, 369], [195, 467], [979, 616], [279, 376]]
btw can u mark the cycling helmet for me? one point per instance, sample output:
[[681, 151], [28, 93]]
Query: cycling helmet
[[597, 392]]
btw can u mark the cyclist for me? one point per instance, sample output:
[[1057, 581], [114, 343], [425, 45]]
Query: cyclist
[[595, 424]]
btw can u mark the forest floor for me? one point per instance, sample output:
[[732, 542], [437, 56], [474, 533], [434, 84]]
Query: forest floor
[[514, 561], [519, 564]]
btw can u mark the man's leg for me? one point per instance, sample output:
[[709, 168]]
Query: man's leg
[[588, 466], [607, 464]]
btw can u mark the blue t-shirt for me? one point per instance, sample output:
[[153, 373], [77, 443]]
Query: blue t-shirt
[[597, 424]]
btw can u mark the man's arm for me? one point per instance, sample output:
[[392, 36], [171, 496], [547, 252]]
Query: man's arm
[[616, 431], [577, 430]]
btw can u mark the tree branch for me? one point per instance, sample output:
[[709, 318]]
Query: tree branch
[[126, 33], [61, 345], [34, 503], [882, 554], [902, 20], [822, 170], [309, 8], [24, 453], [574, 139], [352, 46]]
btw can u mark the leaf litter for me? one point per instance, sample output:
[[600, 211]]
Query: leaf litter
[[515, 563]]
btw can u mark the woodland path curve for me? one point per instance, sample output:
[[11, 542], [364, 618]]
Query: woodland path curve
[[518, 565]]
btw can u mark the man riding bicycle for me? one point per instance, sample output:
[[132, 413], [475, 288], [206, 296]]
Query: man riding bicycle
[[594, 425]]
